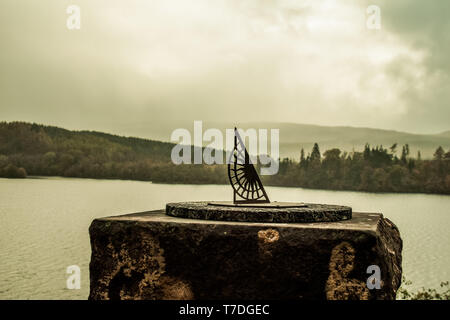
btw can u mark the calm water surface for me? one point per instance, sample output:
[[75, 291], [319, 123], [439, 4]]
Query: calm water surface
[[44, 226]]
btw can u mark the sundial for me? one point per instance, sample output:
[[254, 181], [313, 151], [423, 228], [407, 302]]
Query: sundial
[[247, 187], [250, 200]]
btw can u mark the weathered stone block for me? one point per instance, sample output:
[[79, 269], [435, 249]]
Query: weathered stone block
[[151, 255]]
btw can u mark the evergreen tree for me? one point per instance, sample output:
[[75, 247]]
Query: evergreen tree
[[447, 155], [366, 153], [315, 153], [439, 154], [393, 148], [405, 152]]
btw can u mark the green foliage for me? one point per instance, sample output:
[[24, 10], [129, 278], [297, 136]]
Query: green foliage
[[49, 151], [439, 153], [375, 169], [11, 171], [315, 153], [424, 294]]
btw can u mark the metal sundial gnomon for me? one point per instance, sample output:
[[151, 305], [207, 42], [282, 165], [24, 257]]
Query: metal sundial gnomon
[[243, 176]]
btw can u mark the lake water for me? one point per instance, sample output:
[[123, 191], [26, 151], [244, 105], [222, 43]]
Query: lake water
[[44, 226]]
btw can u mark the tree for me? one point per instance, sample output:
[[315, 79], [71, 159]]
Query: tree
[[393, 148], [303, 160], [332, 155], [405, 153], [439, 154], [11, 171], [315, 153], [366, 152], [3, 161], [447, 155]]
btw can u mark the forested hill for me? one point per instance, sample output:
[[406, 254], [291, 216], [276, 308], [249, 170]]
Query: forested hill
[[26, 138], [32, 149]]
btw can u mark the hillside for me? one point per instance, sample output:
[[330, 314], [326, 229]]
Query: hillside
[[51, 151], [31, 149], [295, 136]]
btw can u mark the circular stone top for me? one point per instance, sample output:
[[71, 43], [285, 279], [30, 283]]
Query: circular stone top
[[281, 212]]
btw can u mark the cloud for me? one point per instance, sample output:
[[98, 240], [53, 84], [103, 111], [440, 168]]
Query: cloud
[[424, 27], [172, 61]]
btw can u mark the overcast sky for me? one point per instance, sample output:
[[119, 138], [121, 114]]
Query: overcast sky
[[161, 61]]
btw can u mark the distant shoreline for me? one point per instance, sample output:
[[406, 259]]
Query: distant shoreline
[[219, 184], [28, 149]]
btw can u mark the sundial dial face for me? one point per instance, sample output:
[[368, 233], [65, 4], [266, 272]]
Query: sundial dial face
[[247, 187]]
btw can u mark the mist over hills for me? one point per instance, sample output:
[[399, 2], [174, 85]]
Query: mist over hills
[[295, 136], [445, 134]]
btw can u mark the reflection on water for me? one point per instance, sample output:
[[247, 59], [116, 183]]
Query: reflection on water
[[44, 226]]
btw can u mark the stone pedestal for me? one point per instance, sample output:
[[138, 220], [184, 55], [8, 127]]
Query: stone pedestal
[[151, 255]]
